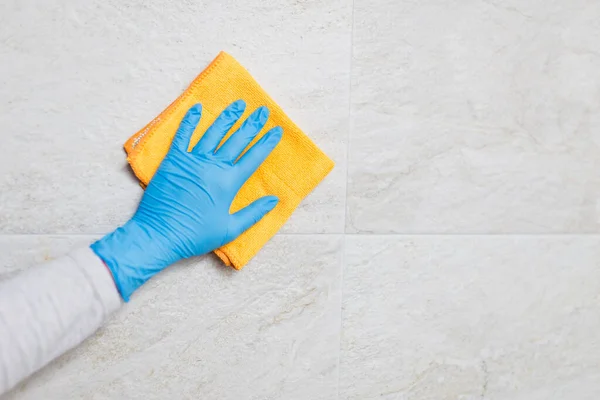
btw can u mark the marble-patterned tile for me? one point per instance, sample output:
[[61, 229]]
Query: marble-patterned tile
[[470, 317], [475, 117], [200, 330], [18, 252], [83, 77]]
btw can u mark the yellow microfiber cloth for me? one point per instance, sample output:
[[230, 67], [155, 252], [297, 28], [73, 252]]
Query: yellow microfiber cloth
[[291, 171]]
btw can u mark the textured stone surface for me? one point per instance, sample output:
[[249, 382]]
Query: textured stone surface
[[470, 317], [465, 118], [83, 77], [201, 330], [475, 117]]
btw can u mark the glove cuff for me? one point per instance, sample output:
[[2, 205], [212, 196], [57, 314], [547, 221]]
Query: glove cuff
[[130, 255]]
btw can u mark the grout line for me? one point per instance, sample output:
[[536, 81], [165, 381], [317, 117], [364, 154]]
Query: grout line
[[469, 234], [349, 127], [347, 164], [55, 234], [341, 305], [336, 234]]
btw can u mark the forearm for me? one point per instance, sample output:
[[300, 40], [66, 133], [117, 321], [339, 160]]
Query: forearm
[[49, 309], [185, 212]]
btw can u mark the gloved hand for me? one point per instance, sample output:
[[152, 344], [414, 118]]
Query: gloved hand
[[185, 209]]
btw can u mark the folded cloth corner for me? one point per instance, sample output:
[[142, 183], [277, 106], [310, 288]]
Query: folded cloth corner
[[294, 168]]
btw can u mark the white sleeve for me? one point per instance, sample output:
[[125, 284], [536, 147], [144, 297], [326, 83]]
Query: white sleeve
[[49, 309]]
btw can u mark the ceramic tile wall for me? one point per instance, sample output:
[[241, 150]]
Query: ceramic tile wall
[[452, 254]]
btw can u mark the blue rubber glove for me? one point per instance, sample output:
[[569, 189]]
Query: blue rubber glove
[[185, 209]]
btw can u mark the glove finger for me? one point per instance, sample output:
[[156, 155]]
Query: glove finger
[[250, 215], [237, 142], [255, 156], [217, 131], [186, 129]]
